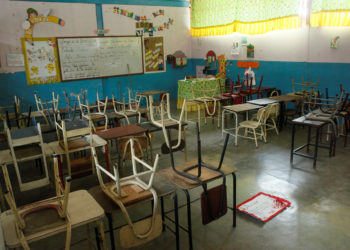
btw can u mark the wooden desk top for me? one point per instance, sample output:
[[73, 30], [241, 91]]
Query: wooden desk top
[[82, 209], [160, 184], [183, 182], [150, 127], [242, 107], [286, 98], [303, 121], [262, 101], [118, 132], [151, 92]]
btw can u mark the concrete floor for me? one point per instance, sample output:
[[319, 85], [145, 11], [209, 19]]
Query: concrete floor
[[318, 217]]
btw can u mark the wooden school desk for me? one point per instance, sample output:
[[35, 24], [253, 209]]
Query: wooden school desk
[[82, 210], [184, 184]]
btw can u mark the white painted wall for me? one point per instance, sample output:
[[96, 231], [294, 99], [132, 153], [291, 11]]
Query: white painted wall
[[297, 45], [79, 21], [177, 37]]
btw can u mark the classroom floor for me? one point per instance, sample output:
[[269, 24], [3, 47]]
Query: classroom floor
[[318, 217]]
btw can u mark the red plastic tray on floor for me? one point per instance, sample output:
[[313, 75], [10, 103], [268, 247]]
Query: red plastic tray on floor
[[263, 206]]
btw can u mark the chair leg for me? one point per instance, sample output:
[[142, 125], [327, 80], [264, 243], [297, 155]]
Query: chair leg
[[236, 135], [256, 141]]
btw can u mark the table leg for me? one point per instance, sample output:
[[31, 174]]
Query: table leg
[[292, 145], [176, 222], [234, 186], [110, 228], [309, 138], [316, 146], [162, 212], [185, 146], [149, 135], [189, 222]]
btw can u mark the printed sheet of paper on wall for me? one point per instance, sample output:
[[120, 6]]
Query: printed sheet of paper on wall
[[154, 54], [41, 61]]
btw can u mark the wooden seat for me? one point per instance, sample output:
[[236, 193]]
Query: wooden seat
[[43, 218], [72, 138], [126, 111], [130, 190], [27, 144]]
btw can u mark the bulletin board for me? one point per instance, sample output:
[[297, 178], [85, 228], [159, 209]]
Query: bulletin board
[[41, 61], [98, 57], [154, 54]]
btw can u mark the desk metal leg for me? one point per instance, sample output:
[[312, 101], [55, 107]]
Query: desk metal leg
[[176, 223], [234, 186], [185, 147], [292, 145], [309, 138], [97, 239], [189, 222], [316, 146], [162, 211], [110, 228]]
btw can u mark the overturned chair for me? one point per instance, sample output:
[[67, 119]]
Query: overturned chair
[[128, 191]]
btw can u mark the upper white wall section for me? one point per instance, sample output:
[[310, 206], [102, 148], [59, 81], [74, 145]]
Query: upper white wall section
[[177, 37], [297, 45], [80, 20]]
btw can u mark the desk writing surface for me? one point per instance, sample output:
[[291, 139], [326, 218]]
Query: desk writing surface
[[242, 107], [82, 209], [118, 132], [161, 185], [303, 121], [263, 101], [150, 127], [151, 92], [286, 98], [183, 182]]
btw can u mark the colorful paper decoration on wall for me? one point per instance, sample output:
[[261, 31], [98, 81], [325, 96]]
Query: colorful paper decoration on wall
[[222, 66], [250, 51], [34, 18], [235, 48], [180, 59], [247, 64], [41, 61], [154, 54], [334, 42], [143, 22], [244, 41]]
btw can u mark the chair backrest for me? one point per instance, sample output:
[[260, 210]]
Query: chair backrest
[[262, 114], [274, 110], [140, 145], [260, 83], [101, 106], [274, 93]]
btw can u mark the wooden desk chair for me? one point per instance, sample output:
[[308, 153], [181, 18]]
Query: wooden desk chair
[[305, 88], [252, 125], [213, 201], [27, 145], [72, 104], [206, 96], [71, 138], [128, 191], [273, 116], [256, 91], [41, 219], [234, 95], [140, 148], [274, 93], [166, 120], [126, 111], [86, 113], [46, 111]]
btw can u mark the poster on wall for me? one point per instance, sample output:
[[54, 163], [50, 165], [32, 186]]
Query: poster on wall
[[154, 54], [41, 61]]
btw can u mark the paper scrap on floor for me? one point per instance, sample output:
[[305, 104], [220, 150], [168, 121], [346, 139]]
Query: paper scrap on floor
[[263, 206]]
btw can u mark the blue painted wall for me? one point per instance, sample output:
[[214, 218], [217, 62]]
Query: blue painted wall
[[16, 84]]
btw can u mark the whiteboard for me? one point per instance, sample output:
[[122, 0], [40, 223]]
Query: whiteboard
[[95, 57]]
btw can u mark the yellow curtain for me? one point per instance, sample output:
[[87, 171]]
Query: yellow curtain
[[330, 18], [251, 28]]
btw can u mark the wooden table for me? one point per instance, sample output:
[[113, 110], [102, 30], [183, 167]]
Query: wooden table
[[186, 185], [162, 187], [153, 128], [82, 210], [302, 121], [283, 99], [235, 109], [119, 132], [262, 101]]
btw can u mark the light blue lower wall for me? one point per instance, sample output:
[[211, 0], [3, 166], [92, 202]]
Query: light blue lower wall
[[276, 74], [16, 84]]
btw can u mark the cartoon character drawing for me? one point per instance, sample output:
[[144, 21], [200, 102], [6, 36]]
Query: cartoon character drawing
[[34, 70], [50, 68], [34, 18], [334, 42]]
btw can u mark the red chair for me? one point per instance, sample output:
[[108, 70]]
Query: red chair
[[256, 91]]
